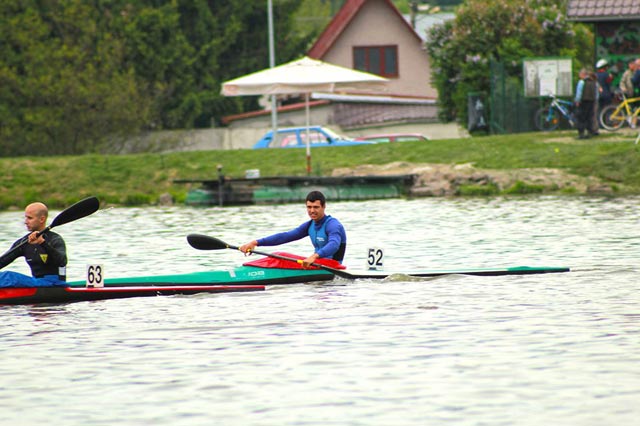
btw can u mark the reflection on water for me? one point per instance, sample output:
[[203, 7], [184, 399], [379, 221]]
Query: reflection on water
[[559, 349]]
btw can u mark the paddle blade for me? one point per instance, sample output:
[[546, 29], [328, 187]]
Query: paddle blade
[[204, 242], [77, 211]]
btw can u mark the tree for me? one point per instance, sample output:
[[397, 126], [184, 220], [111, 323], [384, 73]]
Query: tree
[[77, 76], [183, 50], [63, 87], [484, 31]]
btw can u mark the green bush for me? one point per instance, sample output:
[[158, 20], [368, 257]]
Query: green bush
[[525, 188], [138, 199], [482, 32]]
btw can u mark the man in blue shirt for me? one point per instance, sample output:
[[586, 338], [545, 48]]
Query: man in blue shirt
[[327, 234]]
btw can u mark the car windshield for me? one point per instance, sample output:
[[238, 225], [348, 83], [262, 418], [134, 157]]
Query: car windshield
[[285, 140], [333, 134], [296, 137], [314, 136], [290, 139]]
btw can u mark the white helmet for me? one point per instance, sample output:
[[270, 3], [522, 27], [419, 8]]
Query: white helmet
[[602, 63]]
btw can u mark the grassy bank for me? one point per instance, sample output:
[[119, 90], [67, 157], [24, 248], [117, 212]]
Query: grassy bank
[[140, 179]]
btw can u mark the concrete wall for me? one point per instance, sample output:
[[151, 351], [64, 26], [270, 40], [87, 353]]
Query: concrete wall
[[178, 140], [246, 137], [432, 131]]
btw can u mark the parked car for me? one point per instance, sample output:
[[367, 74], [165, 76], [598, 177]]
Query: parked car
[[393, 137], [296, 137]]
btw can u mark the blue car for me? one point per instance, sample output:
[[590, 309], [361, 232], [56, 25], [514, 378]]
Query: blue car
[[296, 137]]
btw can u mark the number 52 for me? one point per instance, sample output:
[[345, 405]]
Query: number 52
[[375, 258]]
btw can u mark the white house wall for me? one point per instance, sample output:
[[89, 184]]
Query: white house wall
[[376, 25]]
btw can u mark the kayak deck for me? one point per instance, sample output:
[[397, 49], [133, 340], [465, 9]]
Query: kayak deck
[[243, 275]]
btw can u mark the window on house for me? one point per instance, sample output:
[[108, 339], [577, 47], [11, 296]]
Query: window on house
[[381, 60]]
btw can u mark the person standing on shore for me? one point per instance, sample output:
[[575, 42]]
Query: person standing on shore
[[635, 79], [585, 100], [605, 96], [327, 234], [604, 78], [626, 85], [45, 253]]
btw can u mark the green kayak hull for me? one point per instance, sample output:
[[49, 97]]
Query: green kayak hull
[[251, 275], [240, 279], [243, 275]]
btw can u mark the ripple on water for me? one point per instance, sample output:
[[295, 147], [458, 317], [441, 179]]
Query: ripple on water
[[557, 349]]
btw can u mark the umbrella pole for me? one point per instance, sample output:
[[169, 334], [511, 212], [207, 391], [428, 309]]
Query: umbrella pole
[[306, 110], [272, 63]]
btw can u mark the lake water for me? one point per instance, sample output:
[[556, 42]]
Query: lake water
[[554, 349]]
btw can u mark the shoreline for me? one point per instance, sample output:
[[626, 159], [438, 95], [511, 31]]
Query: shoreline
[[442, 180], [525, 163]]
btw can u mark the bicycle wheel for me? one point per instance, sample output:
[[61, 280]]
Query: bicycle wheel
[[547, 119], [612, 120]]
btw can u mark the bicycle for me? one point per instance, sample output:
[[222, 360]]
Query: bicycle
[[549, 118], [613, 117]]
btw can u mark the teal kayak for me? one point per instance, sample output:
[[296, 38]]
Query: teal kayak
[[251, 275], [243, 278]]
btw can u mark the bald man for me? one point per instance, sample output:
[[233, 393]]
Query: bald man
[[46, 254]]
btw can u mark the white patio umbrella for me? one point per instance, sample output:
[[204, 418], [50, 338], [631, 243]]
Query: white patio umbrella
[[304, 76]]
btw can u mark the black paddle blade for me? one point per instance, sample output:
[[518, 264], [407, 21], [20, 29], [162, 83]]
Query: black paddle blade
[[204, 242], [77, 211]]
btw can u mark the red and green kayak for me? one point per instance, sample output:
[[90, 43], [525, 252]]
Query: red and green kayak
[[240, 279], [252, 276]]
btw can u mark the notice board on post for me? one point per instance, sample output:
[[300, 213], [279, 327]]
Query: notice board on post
[[547, 76]]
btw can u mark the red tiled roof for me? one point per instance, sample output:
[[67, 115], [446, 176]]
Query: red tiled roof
[[603, 10], [341, 20], [292, 107], [350, 115]]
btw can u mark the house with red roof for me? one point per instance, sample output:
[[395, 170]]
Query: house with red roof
[[371, 36]]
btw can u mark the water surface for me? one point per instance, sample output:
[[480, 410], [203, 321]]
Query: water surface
[[556, 349]]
